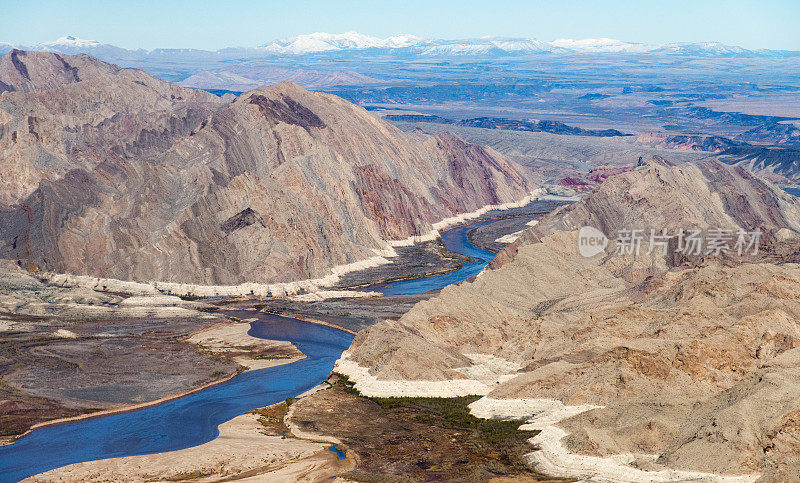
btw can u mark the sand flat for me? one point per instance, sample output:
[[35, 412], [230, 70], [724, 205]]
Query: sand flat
[[241, 450]]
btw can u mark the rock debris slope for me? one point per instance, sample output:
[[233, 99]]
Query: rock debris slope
[[692, 361], [113, 173]]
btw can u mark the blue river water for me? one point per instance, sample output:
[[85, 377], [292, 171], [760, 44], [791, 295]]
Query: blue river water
[[457, 240], [193, 420], [792, 191], [339, 453]]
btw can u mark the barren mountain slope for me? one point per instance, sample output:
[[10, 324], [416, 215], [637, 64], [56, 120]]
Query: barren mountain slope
[[279, 185], [772, 162], [691, 359], [246, 76], [660, 196], [22, 71], [64, 112]]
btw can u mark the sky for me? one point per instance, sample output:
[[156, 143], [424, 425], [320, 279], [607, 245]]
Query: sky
[[212, 25]]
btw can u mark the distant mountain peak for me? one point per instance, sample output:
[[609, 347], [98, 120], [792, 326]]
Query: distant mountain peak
[[352, 40], [703, 48], [602, 44], [409, 45], [491, 45], [71, 41]]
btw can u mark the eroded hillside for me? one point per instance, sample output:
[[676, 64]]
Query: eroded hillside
[[690, 359], [116, 174]]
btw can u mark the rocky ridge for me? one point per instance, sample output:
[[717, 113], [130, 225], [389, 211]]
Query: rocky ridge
[[677, 363], [64, 113], [122, 176]]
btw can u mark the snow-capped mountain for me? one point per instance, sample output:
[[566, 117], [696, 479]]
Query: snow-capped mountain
[[324, 42], [6, 47], [69, 44], [602, 45], [703, 48], [524, 45], [493, 46], [70, 41], [321, 43], [402, 40]]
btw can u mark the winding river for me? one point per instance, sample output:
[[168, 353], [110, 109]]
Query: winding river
[[193, 420], [457, 240]]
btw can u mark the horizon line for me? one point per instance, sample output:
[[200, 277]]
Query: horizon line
[[420, 38]]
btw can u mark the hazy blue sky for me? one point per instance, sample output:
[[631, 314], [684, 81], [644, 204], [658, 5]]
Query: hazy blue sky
[[211, 25]]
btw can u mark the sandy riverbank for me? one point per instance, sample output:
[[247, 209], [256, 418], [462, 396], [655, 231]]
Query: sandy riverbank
[[220, 338], [242, 451], [230, 337], [550, 457]]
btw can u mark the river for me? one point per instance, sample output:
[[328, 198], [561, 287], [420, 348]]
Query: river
[[193, 419], [457, 240]]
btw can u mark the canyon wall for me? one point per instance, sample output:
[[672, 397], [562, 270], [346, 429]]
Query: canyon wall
[[689, 363], [116, 174]]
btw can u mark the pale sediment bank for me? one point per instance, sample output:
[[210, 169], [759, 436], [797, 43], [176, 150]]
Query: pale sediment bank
[[550, 197], [251, 364], [512, 237], [241, 451], [551, 457], [333, 294], [233, 336], [458, 219], [371, 386], [381, 257], [80, 303], [554, 459]]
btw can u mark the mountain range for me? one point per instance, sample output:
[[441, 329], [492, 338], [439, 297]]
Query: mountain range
[[401, 45], [635, 365], [113, 173]]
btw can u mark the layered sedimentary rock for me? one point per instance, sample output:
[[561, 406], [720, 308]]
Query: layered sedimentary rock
[[60, 113], [691, 360], [661, 196], [781, 163], [116, 174], [683, 142]]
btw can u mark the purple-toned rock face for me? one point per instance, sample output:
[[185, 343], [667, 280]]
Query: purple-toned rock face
[[110, 172]]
